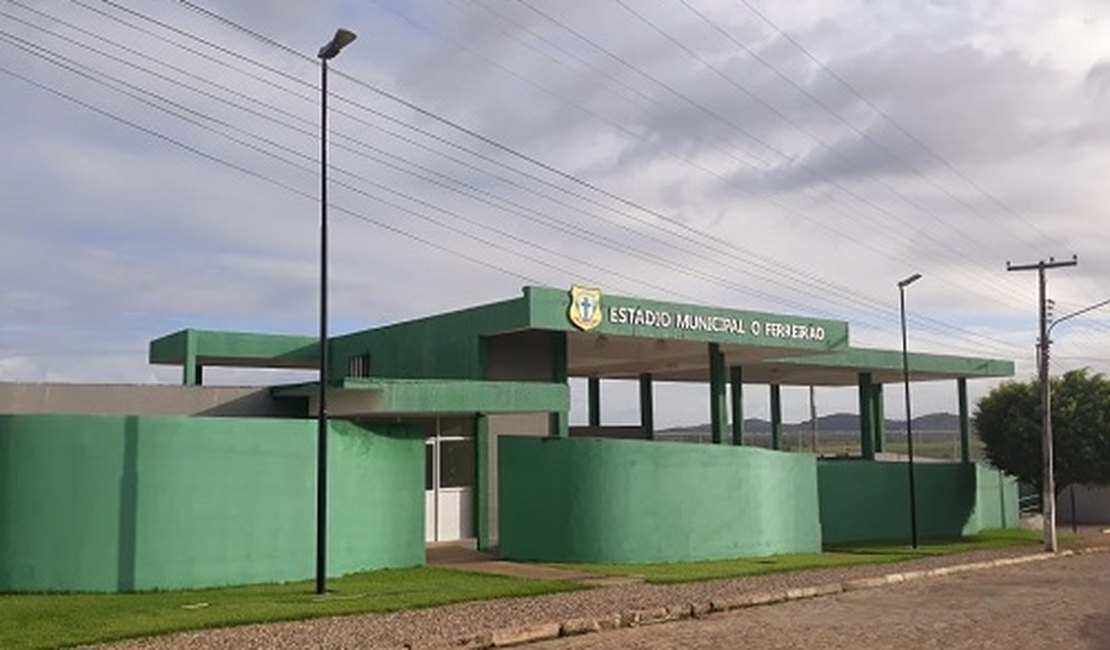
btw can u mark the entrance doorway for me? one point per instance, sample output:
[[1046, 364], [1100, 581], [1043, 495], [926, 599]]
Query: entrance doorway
[[449, 470]]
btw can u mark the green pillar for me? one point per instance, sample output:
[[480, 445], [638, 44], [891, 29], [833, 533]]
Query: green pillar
[[736, 384], [647, 406], [776, 416], [879, 410], [191, 373], [718, 410], [595, 401], [866, 417], [965, 421], [481, 481], [559, 425]]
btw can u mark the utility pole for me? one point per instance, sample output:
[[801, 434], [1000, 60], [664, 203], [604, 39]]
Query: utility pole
[[1048, 483]]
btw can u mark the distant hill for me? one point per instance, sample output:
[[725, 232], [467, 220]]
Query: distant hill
[[836, 422]]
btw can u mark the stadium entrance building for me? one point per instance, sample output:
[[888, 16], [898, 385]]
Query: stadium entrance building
[[455, 426]]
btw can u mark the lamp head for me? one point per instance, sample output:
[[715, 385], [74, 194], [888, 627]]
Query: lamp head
[[908, 281], [342, 39]]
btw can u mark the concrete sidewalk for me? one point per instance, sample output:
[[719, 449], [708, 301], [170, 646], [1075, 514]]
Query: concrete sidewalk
[[466, 558]]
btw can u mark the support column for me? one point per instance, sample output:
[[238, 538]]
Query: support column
[[736, 384], [595, 401], [191, 373], [481, 481], [718, 410], [559, 425], [878, 408], [776, 416], [965, 421], [866, 417], [647, 406]]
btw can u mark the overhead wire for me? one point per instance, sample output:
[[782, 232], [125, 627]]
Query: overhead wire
[[549, 222], [406, 103], [907, 133], [823, 145], [732, 124]]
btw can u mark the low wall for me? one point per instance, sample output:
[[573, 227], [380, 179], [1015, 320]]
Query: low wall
[[135, 399], [1083, 505], [122, 503], [865, 500], [627, 501]]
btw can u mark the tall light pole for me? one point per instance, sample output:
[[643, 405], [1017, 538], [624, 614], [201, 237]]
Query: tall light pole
[[1046, 357], [1048, 478], [341, 39], [909, 418]]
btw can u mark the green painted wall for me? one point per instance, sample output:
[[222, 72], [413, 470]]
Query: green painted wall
[[107, 503], [236, 348], [998, 498], [447, 346], [596, 500], [869, 501]]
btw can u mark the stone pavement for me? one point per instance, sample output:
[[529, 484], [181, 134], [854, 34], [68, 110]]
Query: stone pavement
[[500, 623], [1056, 604]]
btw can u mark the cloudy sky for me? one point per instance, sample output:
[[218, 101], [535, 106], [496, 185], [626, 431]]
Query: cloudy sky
[[160, 169]]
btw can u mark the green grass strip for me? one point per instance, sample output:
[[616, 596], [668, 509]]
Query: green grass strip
[[58, 620], [833, 557]]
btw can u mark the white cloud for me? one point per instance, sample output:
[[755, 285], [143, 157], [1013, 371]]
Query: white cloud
[[113, 237]]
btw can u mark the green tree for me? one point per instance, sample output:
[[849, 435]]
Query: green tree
[[1008, 421]]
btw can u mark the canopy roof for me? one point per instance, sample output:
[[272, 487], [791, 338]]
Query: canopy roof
[[614, 337]]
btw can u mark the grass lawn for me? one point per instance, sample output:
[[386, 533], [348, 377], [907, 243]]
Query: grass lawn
[[839, 556], [53, 620]]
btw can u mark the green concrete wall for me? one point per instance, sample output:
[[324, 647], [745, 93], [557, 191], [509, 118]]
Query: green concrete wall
[[121, 503], [626, 501], [863, 501], [447, 346], [998, 505]]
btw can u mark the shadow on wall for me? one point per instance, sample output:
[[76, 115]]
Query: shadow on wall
[[128, 505], [868, 501]]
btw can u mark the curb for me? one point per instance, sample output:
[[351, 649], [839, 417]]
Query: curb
[[512, 636]]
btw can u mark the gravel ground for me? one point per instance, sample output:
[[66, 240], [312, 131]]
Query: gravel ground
[[436, 626]]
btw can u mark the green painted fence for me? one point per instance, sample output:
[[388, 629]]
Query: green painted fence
[[627, 501], [864, 501], [105, 503]]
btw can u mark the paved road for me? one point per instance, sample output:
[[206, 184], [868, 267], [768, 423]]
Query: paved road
[[1062, 603]]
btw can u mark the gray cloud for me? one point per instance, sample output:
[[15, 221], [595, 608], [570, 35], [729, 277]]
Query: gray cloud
[[113, 237]]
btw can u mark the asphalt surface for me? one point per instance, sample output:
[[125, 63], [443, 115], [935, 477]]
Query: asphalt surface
[[1057, 603]]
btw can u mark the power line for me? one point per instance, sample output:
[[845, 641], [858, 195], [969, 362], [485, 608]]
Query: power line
[[480, 137], [894, 123], [262, 177], [111, 3]]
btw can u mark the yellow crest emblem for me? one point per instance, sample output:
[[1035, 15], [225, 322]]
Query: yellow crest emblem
[[585, 307]]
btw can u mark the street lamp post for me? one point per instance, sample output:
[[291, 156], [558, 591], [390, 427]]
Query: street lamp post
[[909, 418], [341, 39], [1046, 392]]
